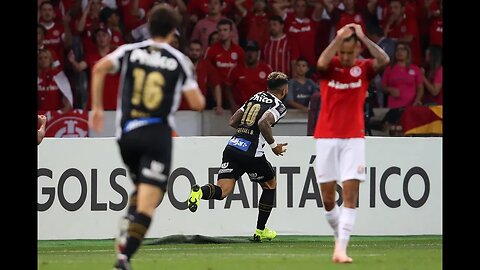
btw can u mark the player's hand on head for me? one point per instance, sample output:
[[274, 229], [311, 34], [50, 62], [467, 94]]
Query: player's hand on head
[[344, 32], [280, 149], [357, 28]]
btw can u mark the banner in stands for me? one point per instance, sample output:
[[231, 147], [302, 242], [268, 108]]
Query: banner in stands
[[83, 190], [71, 124]]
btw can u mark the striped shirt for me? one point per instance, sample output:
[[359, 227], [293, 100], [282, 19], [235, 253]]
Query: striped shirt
[[279, 53]]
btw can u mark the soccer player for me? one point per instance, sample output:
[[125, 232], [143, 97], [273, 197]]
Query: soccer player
[[244, 152], [153, 77], [339, 133]]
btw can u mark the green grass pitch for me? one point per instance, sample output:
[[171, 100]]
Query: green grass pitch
[[282, 253]]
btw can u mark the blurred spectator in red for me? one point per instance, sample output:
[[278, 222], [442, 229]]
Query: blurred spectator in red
[[103, 46], [301, 27], [53, 88], [111, 20], [254, 23], [436, 26], [342, 17], [198, 9], [87, 23], [403, 82], [58, 36], [134, 12], [247, 78], [225, 54], [207, 25], [433, 76], [207, 79], [280, 51], [41, 31], [402, 27], [300, 88]]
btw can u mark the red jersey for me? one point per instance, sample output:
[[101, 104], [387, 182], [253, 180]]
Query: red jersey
[[110, 90], [343, 18], [54, 39], [408, 26], [436, 32], [257, 27], [343, 91], [206, 76], [303, 30], [130, 21], [279, 53], [246, 82], [224, 60], [52, 86]]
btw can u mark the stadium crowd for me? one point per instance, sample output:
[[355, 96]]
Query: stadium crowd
[[235, 44]]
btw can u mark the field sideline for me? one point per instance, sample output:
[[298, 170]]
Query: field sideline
[[283, 253]]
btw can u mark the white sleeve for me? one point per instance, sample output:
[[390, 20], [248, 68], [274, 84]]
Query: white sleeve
[[278, 111], [190, 82], [116, 56]]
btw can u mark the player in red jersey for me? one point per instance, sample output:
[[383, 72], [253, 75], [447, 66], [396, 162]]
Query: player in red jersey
[[339, 133]]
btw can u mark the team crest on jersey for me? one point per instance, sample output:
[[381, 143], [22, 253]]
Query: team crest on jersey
[[234, 55], [357, 18], [116, 39], [262, 75], [355, 71], [411, 72], [56, 32], [224, 165]]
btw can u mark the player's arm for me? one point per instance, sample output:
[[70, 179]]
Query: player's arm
[[381, 59], [99, 71], [265, 125], [195, 99], [236, 118], [327, 55]]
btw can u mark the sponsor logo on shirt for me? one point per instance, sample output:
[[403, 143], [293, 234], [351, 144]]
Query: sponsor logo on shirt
[[239, 143], [153, 59], [344, 86]]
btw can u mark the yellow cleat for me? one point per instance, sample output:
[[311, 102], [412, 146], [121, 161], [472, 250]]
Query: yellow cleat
[[265, 234], [195, 197]]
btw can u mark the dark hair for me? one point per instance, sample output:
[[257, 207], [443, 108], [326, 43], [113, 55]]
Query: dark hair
[[44, 30], [409, 52], [276, 79], [195, 41], [225, 22], [435, 60], [374, 29], [301, 58], [276, 18], [210, 37], [163, 20], [45, 3], [352, 37]]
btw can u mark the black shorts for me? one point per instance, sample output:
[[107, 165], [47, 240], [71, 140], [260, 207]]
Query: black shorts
[[236, 163], [147, 153]]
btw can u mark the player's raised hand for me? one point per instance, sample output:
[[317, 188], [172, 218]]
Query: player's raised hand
[[280, 149]]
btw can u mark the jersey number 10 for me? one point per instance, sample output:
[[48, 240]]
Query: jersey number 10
[[250, 114]]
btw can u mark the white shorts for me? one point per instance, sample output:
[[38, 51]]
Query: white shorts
[[340, 160]]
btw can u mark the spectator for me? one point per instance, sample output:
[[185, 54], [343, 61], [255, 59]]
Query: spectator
[[53, 88], [300, 88], [224, 55], [247, 78], [207, 79], [213, 37], [41, 32], [87, 23], [207, 25], [254, 22], [436, 26], [401, 27], [103, 41], [111, 20], [57, 36], [134, 12], [403, 82], [280, 51], [300, 27], [342, 17], [433, 76]]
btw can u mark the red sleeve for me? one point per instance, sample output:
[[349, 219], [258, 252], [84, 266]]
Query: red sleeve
[[335, 62]]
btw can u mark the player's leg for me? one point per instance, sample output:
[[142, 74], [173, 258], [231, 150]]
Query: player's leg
[[327, 173], [228, 172], [352, 173], [259, 170]]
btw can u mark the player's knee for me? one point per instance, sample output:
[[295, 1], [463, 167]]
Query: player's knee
[[328, 204]]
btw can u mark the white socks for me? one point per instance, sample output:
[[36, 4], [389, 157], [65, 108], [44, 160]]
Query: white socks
[[345, 226], [333, 219]]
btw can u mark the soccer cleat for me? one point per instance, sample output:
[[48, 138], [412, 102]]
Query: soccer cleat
[[121, 239], [122, 263], [265, 234], [194, 199]]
